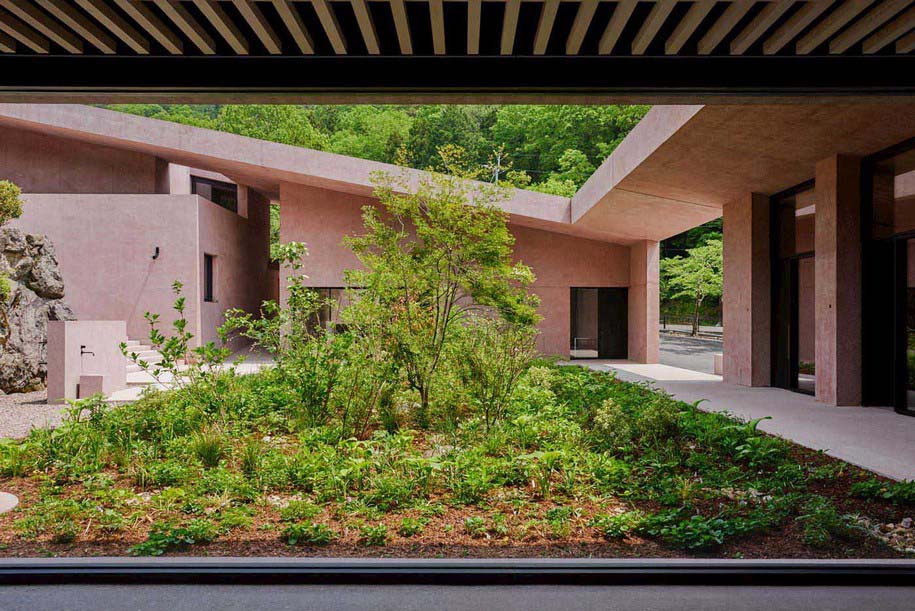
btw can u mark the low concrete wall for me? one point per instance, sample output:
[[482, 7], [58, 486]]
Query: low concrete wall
[[69, 346], [105, 246]]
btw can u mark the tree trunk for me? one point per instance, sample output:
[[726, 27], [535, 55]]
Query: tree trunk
[[695, 332]]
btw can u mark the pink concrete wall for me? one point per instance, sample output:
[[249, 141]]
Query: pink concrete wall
[[242, 249], [838, 280], [40, 163], [322, 218], [747, 284], [66, 363], [644, 302], [105, 245]]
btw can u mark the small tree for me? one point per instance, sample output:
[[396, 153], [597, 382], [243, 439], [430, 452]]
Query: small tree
[[694, 277], [434, 253], [10, 208]]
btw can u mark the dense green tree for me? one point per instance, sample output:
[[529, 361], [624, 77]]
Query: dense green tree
[[432, 257], [285, 124], [694, 277], [370, 132]]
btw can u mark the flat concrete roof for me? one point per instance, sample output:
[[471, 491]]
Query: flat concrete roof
[[674, 171], [681, 164]]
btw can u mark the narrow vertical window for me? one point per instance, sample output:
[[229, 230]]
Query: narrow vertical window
[[208, 272]]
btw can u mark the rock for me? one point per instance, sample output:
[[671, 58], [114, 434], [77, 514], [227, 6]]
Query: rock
[[906, 523], [36, 298]]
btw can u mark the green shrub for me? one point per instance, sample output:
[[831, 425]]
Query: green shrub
[[209, 447], [164, 537], [312, 533], [410, 527], [902, 493], [658, 420], [611, 425], [821, 522], [373, 535], [252, 458], [299, 510], [475, 526], [617, 526]]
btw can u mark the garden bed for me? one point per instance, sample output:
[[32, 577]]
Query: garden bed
[[581, 465]]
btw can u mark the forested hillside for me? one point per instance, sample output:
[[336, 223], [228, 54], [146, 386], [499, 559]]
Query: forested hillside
[[547, 148]]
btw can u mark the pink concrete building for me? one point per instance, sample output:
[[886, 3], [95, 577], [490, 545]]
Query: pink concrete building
[[133, 204], [818, 203]]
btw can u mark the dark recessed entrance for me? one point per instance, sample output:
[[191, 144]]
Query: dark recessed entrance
[[599, 323]]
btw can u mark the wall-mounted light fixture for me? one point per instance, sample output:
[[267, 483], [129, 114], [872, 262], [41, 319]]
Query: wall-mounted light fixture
[[156, 253]]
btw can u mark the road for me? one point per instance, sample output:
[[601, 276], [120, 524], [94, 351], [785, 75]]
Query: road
[[442, 598], [689, 352]]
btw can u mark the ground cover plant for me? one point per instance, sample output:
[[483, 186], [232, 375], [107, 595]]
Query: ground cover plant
[[579, 463], [422, 426]]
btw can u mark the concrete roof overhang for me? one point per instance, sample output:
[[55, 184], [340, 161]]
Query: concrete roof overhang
[[260, 164], [674, 171], [681, 164]]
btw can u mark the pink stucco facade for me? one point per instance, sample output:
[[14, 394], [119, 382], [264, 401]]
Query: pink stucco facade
[[322, 218], [108, 210]]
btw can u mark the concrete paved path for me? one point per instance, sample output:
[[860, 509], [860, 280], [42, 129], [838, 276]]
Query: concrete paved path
[[875, 438]]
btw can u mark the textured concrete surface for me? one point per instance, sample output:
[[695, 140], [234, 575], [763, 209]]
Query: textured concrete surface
[[875, 438], [406, 597]]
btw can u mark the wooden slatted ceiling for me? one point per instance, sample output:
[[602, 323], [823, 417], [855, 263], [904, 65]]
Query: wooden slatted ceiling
[[702, 27]]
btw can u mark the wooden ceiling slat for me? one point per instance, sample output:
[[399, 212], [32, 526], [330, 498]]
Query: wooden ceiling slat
[[618, 21], [153, 26], [473, 27], [185, 22], [831, 24], [586, 10], [24, 34], [63, 11], [510, 26], [366, 26], [794, 26], [437, 17], [402, 25], [906, 44], [328, 20], [697, 12], [115, 24], [545, 26], [762, 22], [728, 20], [294, 24], [875, 18], [7, 43], [224, 25], [45, 24], [255, 18], [656, 18], [890, 32]]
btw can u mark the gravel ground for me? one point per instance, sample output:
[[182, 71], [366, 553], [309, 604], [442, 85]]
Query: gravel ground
[[21, 412]]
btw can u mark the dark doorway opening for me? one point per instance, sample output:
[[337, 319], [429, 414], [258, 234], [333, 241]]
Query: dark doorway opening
[[599, 323]]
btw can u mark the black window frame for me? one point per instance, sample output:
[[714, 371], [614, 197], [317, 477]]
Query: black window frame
[[227, 188], [209, 278]]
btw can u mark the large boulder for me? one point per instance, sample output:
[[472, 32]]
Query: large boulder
[[36, 297]]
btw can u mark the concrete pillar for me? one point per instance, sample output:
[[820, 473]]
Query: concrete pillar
[[644, 301], [746, 302], [838, 280]]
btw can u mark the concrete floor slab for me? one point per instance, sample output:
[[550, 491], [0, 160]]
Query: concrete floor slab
[[875, 438]]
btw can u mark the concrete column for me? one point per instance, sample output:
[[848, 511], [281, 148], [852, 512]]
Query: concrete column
[[644, 301], [746, 303], [838, 280]]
